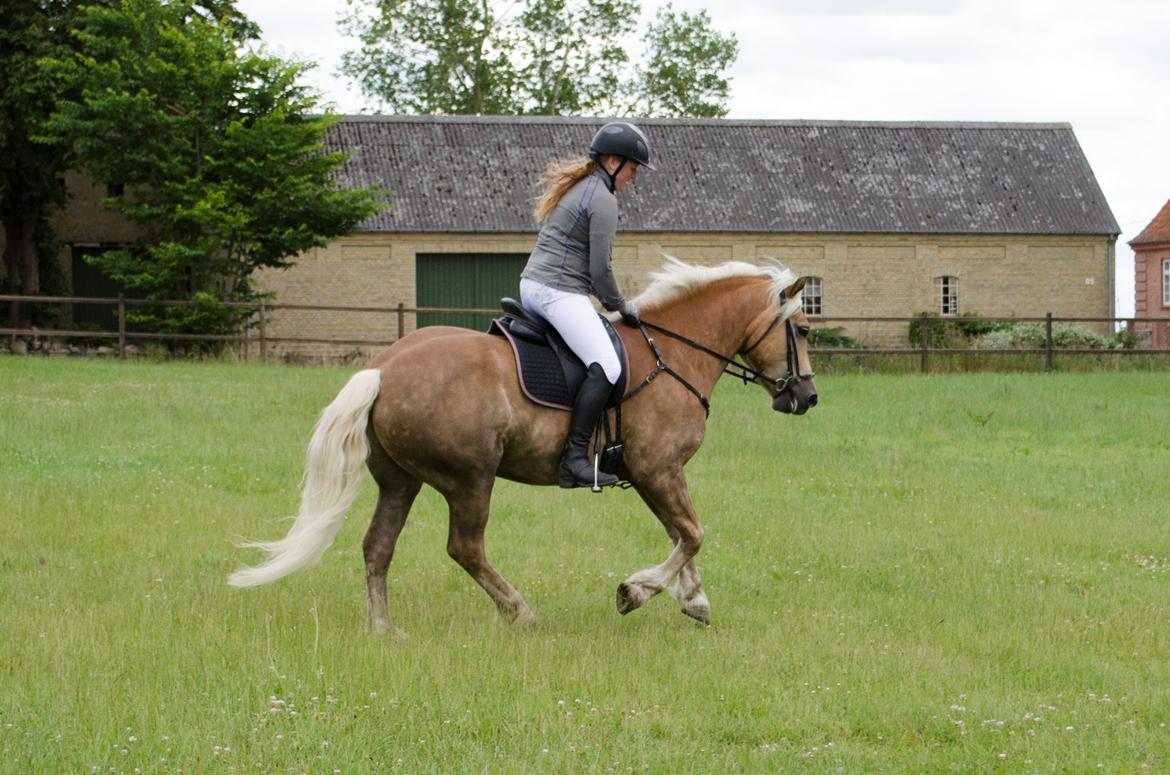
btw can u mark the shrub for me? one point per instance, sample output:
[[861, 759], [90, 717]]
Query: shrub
[[832, 337], [952, 332], [1127, 340], [1032, 335]]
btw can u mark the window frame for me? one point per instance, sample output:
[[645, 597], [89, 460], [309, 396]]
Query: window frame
[[810, 300], [1166, 282], [947, 295]]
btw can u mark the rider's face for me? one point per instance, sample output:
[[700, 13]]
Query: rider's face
[[628, 173]]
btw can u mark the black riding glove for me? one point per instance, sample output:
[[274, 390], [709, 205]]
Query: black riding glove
[[629, 314]]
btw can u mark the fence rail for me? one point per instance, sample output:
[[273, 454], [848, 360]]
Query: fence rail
[[257, 334]]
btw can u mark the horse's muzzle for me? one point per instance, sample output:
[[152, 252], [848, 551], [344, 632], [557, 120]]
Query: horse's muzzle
[[797, 398]]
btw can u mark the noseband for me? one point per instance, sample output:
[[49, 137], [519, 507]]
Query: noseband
[[778, 386]]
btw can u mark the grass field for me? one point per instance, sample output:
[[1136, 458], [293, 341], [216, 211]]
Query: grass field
[[925, 574]]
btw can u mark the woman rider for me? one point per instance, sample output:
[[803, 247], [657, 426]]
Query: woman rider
[[572, 259]]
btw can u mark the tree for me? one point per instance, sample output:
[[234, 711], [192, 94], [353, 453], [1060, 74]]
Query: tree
[[221, 163], [683, 73], [30, 166], [550, 57], [573, 62], [431, 56], [29, 30]]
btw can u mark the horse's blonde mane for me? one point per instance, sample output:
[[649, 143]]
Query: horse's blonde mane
[[677, 279]]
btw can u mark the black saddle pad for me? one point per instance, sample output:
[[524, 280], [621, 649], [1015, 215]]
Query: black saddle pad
[[549, 372]]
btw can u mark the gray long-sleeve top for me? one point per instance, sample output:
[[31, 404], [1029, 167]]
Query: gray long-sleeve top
[[574, 250]]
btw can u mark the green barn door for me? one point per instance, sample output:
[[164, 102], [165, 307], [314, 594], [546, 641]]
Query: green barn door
[[468, 281]]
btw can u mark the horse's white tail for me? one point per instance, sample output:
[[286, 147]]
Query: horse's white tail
[[333, 472]]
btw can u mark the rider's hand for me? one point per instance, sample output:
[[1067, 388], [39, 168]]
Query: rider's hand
[[630, 314]]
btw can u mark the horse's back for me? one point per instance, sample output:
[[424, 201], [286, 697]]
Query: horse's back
[[421, 337], [439, 359]]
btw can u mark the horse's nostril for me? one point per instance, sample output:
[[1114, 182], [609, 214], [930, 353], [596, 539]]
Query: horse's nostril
[[812, 400]]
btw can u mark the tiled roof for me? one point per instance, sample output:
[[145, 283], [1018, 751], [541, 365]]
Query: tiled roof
[[1158, 230], [478, 174]]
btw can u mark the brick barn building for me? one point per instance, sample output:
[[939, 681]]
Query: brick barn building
[[889, 219], [1151, 257]]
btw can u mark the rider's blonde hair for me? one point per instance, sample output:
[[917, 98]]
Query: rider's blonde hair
[[558, 177]]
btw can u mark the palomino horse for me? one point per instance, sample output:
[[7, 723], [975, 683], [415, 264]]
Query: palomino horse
[[443, 406]]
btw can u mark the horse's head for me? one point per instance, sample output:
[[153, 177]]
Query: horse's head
[[777, 347]]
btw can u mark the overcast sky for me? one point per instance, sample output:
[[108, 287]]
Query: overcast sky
[[1104, 67]]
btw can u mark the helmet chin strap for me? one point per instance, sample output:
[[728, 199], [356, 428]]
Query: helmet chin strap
[[613, 177]]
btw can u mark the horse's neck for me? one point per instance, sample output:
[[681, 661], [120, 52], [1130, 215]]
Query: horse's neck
[[717, 318]]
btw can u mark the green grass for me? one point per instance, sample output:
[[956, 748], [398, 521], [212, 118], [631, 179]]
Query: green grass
[[960, 573]]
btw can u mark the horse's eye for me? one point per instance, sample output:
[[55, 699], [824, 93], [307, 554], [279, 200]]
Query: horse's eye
[[803, 331]]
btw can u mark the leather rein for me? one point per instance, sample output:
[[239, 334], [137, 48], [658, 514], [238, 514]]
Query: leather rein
[[731, 366]]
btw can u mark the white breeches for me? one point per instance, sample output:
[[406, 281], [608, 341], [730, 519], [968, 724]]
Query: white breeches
[[575, 319]]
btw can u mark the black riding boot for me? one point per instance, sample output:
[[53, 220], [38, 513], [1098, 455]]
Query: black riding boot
[[577, 463]]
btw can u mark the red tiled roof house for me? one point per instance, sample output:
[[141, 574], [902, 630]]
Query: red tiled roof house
[[1151, 256]]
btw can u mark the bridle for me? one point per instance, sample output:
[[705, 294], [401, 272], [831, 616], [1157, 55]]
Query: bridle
[[735, 368], [793, 361]]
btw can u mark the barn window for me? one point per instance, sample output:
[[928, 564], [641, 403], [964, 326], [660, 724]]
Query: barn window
[[948, 294], [812, 296], [1166, 282]]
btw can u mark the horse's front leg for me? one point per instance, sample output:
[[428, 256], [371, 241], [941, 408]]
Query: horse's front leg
[[688, 591], [688, 588], [668, 498]]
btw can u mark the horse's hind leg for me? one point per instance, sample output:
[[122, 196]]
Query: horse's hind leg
[[469, 515], [396, 492]]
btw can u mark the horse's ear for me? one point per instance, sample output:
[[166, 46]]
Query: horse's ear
[[791, 291]]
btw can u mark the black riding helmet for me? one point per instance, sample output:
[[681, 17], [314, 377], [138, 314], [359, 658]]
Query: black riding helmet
[[621, 138]]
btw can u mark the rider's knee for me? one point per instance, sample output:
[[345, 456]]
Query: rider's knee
[[613, 369]]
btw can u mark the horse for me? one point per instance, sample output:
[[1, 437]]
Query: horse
[[442, 406]]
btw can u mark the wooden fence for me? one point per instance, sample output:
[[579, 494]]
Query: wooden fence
[[256, 335]]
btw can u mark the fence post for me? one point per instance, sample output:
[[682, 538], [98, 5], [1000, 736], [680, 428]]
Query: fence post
[[925, 343], [246, 338], [401, 318], [263, 332], [122, 326], [1048, 342]]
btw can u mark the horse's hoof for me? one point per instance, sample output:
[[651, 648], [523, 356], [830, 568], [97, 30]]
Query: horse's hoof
[[701, 614], [525, 620], [629, 597], [624, 603]]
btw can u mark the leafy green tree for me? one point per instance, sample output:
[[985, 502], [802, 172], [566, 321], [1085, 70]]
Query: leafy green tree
[[574, 61], [221, 161], [685, 64], [29, 30], [31, 166], [431, 56], [546, 57]]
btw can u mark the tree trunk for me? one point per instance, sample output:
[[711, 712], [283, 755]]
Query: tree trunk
[[21, 266], [11, 269]]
